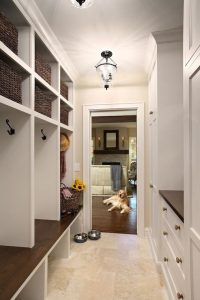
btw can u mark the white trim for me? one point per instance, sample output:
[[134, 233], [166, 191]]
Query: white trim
[[87, 110]]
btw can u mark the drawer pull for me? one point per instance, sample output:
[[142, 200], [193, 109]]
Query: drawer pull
[[179, 260], [165, 233], [177, 227], [164, 209], [151, 186], [165, 259], [179, 296], [151, 112]]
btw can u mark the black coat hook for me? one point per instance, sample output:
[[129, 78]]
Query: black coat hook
[[44, 137], [11, 130]]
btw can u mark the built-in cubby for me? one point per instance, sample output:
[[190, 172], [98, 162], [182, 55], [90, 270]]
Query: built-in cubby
[[33, 113], [46, 102], [36, 288], [16, 213], [46, 65], [46, 171], [65, 86], [14, 80], [12, 14], [64, 113]]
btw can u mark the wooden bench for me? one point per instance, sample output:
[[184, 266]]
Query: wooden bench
[[23, 271]]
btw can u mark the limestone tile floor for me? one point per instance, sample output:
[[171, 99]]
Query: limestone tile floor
[[116, 267]]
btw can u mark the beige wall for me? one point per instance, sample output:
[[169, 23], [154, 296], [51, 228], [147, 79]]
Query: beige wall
[[114, 95]]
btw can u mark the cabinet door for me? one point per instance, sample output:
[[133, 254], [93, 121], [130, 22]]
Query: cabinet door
[[192, 178], [191, 28]]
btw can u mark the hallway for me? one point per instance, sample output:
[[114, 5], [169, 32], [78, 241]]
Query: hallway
[[116, 267]]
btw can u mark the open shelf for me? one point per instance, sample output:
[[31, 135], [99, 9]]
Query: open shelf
[[66, 129], [17, 40], [15, 179], [65, 85], [46, 102], [70, 105], [46, 65], [26, 263], [46, 171], [64, 113], [14, 81]]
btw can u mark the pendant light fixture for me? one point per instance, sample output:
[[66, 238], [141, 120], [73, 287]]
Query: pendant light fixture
[[82, 3], [106, 68]]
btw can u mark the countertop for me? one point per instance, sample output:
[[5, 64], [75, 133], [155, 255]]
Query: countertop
[[175, 199]]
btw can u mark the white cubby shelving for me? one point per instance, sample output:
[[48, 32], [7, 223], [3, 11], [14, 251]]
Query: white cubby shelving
[[46, 171], [30, 165], [16, 217], [44, 57], [15, 16]]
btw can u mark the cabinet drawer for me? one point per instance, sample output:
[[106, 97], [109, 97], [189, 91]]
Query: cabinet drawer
[[174, 222], [176, 282], [175, 251]]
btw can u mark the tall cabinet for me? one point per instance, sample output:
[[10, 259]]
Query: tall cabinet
[[165, 121], [192, 144], [166, 142], [35, 106]]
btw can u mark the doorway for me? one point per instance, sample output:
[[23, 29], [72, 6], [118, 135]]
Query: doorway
[[114, 154], [87, 136]]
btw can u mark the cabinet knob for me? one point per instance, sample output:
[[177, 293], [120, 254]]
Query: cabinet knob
[[179, 296], [151, 186], [177, 227], [151, 112], [165, 233], [164, 209], [165, 259], [179, 260]]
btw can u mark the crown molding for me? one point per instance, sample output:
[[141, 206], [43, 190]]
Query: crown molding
[[45, 32], [168, 36], [174, 35]]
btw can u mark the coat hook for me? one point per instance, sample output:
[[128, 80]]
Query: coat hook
[[44, 137], [11, 131]]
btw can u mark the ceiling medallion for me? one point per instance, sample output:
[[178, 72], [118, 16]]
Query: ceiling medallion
[[82, 3], [106, 68]]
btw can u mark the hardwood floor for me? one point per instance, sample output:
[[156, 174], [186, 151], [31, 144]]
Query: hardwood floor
[[114, 222]]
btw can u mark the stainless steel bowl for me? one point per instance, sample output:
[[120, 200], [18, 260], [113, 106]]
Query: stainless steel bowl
[[94, 234], [80, 237]]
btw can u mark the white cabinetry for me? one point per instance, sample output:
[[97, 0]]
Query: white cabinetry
[[172, 251], [165, 121], [29, 163], [192, 145]]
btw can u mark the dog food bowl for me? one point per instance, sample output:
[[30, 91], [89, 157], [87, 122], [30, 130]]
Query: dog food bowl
[[94, 234], [80, 237]]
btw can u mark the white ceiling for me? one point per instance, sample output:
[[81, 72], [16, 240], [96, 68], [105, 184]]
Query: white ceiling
[[122, 26]]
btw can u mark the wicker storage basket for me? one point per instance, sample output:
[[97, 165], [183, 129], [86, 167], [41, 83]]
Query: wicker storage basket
[[42, 68], [43, 101], [11, 78], [8, 33], [64, 90], [70, 204], [64, 113]]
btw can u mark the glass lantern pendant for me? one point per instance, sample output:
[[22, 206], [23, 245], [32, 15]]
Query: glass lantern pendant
[[106, 67], [82, 3]]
